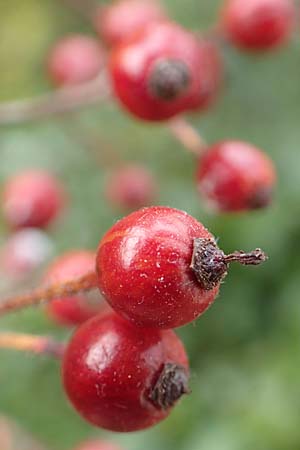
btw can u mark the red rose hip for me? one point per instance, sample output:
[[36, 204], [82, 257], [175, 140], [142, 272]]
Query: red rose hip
[[121, 377], [159, 267], [236, 176], [130, 187], [76, 309], [156, 74], [32, 199], [258, 24], [117, 21], [75, 59]]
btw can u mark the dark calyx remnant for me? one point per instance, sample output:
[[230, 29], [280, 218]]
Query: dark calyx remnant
[[169, 78], [210, 264], [261, 198], [172, 383]]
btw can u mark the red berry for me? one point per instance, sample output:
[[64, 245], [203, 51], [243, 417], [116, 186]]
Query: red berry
[[32, 199], [121, 377], [98, 445], [258, 24], [75, 59], [144, 268], [236, 176], [117, 21], [73, 310], [131, 187], [25, 251], [156, 74]]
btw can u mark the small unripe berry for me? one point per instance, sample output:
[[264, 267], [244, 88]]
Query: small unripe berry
[[25, 251], [236, 176], [117, 21], [76, 309], [156, 74], [98, 445], [258, 24], [131, 187], [32, 198], [75, 59], [121, 377]]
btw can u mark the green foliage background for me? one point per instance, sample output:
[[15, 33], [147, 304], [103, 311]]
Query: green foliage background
[[244, 351]]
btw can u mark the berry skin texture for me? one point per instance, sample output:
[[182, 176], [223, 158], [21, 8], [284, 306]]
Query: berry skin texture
[[131, 187], [123, 378], [75, 59], [144, 268], [72, 311], [98, 445], [155, 74], [117, 21], [235, 176], [32, 199], [258, 24]]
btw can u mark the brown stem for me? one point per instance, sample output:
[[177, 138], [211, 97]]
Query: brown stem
[[210, 264], [84, 8], [36, 344], [56, 103], [43, 294], [189, 137]]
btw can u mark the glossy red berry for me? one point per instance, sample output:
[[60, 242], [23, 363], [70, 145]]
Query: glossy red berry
[[131, 187], [157, 74], [98, 445], [121, 377], [76, 309], [75, 59], [258, 24], [236, 176], [117, 21], [144, 268], [24, 252], [32, 198]]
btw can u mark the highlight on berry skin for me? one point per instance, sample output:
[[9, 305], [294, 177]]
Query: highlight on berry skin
[[164, 70], [73, 310], [234, 176], [130, 187], [113, 387], [32, 199], [116, 21], [258, 25], [75, 59]]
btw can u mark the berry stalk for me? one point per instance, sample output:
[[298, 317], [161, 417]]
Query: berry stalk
[[35, 344], [45, 294], [187, 135]]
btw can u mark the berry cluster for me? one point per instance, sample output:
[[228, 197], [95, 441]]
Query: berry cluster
[[158, 268]]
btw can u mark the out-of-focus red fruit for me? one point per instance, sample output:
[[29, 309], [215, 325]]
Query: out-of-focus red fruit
[[32, 199], [75, 309], [131, 187], [236, 176], [258, 24], [159, 72], [75, 59], [118, 20]]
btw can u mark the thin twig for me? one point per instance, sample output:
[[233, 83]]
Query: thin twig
[[45, 294], [62, 101], [189, 137], [35, 344], [84, 8]]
